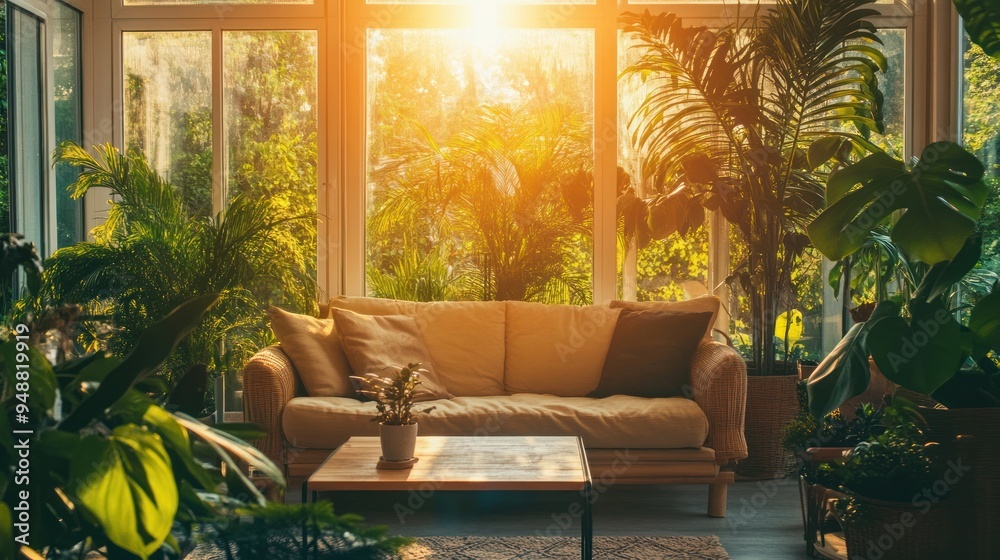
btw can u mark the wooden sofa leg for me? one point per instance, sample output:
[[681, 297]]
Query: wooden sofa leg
[[717, 495]]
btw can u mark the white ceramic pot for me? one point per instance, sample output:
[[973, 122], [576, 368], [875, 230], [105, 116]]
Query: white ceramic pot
[[398, 442]]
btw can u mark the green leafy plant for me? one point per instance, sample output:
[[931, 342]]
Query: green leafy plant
[[747, 120], [892, 466], [982, 23], [110, 467], [833, 430], [274, 531], [152, 254], [393, 394], [930, 209]]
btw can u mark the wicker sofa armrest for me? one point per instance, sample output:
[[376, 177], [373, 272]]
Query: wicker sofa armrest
[[719, 386], [269, 382]]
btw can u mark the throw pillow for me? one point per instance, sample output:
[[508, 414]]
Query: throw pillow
[[695, 305], [313, 346], [650, 354], [376, 343]]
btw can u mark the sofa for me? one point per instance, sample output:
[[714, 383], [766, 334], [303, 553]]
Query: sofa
[[518, 368]]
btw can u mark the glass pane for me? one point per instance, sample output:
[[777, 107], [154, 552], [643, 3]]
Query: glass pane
[[668, 269], [66, 73], [981, 136], [480, 164], [168, 108], [270, 99], [28, 160]]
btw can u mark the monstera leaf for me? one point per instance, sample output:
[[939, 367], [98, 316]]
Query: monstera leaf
[[845, 372], [126, 482], [982, 22], [921, 353], [941, 196]]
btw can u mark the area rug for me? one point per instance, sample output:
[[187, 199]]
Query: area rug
[[605, 548]]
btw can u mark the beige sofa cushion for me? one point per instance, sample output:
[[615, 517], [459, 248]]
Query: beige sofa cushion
[[465, 338], [313, 346], [556, 349], [384, 344], [696, 305], [615, 422]]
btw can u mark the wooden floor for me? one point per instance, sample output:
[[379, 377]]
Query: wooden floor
[[764, 520]]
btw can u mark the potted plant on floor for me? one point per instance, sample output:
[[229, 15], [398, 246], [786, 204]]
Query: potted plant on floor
[[746, 120], [942, 354], [397, 424]]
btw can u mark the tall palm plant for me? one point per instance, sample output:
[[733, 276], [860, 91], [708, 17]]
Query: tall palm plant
[[747, 120], [152, 254], [508, 195]]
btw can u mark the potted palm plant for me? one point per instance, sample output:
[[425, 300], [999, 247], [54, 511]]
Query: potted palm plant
[[746, 120], [397, 424], [940, 353]]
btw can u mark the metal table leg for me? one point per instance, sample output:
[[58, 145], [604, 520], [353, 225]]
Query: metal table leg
[[587, 524]]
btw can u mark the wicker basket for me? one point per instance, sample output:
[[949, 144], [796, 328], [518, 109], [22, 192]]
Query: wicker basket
[[902, 531], [878, 386], [981, 493], [772, 402]]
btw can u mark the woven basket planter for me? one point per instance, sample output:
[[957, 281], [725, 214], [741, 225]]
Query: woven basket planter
[[772, 402], [902, 531], [980, 494]]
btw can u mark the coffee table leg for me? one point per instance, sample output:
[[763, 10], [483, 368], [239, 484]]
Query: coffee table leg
[[587, 524]]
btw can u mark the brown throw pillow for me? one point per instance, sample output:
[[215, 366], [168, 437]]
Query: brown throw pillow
[[376, 343], [650, 354], [699, 304], [313, 346]]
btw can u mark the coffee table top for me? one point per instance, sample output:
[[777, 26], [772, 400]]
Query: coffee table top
[[542, 463]]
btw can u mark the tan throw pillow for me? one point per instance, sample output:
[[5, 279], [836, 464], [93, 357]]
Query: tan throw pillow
[[376, 343], [695, 305], [313, 346], [465, 338], [556, 349]]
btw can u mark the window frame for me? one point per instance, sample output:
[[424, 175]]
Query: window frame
[[342, 169]]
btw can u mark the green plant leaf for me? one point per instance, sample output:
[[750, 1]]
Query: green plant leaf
[[125, 482], [845, 372], [232, 445], [43, 386], [153, 347], [823, 149], [920, 354], [942, 277], [6, 532], [942, 197], [982, 23]]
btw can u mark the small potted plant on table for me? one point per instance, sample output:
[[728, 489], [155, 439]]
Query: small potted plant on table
[[393, 396]]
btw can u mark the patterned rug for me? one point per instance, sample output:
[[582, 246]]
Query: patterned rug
[[605, 548]]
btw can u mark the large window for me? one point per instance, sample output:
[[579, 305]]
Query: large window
[[981, 135], [480, 163], [243, 125]]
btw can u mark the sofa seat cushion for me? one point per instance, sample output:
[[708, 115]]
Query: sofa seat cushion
[[614, 422]]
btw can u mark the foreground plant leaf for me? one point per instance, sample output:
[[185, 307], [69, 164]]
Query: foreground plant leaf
[[126, 483]]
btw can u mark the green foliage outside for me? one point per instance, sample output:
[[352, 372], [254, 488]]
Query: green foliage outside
[[981, 136], [153, 253]]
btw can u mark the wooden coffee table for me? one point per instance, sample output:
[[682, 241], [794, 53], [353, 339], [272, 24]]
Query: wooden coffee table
[[463, 464]]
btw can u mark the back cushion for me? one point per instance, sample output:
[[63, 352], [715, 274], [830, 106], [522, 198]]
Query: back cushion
[[556, 349], [465, 338], [314, 348], [701, 304]]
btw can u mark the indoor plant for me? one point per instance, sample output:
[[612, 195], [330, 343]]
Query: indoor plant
[[745, 120], [931, 208], [153, 253], [393, 396]]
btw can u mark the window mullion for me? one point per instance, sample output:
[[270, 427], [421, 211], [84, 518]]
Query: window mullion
[[219, 163]]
